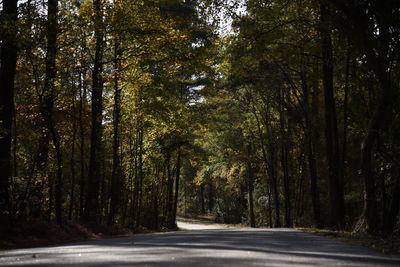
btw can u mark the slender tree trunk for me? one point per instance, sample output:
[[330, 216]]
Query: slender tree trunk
[[170, 186], [135, 153], [210, 197], [7, 73], [72, 163], [345, 112], [131, 179], [47, 103], [389, 221], [92, 207], [266, 164], [141, 175], [370, 212], [155, 192], [81, 148], [15, 142], [202, 204], [250, 186], [116, 170], [274, 184], [272, 163], [310, 148], [177, 176], [336, 198], [41, 155], [285, 162], [40, 161]]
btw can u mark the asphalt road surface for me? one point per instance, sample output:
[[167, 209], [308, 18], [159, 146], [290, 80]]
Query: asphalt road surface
[[203, 245]]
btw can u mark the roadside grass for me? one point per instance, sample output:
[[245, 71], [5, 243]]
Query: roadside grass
[[384, 243]]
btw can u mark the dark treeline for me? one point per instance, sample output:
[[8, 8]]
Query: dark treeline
[[128, 113]]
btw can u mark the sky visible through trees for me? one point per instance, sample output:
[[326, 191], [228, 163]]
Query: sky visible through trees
[[270, 113]]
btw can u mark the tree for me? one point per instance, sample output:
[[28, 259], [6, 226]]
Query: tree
[[7, 74], [372, 23], [94, 174], [47, 99], [336, 197]]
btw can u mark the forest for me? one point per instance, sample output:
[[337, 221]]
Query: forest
[[269, 113]]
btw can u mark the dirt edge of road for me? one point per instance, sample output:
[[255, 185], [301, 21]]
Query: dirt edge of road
[[389, 245]]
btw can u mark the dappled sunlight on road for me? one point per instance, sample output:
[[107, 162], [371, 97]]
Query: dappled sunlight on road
[[206, 245], [195, 226]]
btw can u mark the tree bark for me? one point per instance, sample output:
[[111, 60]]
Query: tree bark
[[95, 162], [140, 174], [285, 162], [202, 202], [210, 197], [274, 184], [81, 147], [48, 99], [336, 198], [310, 148], [176, 196], [250, 186], [7, 74], [170, 187], [266, 164], [362, 26], [72, 163], [116, 170]]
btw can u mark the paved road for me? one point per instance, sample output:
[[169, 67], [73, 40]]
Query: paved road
[[187, 225], [203, 247]]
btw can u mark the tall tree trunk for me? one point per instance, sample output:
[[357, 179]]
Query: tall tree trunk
[[155, 196], [92, 206], [170, 187], [389, 221], [202, 202], [50, 183], [135, 195], [140, 174], [72, 163], [310, 148], [336, 197], [272, 163], [270, 206], [131, 180], [285, 162], [210, 197], [250, 186], [176, 196], [274, 184], [47, 103], [345, 112], [81, 145], [116, 170], [7, 73], [266, 164], [370, 212], [382, 116], [15, 142]]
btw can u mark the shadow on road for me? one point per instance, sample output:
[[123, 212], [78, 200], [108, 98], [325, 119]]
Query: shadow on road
[[219, 247]]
